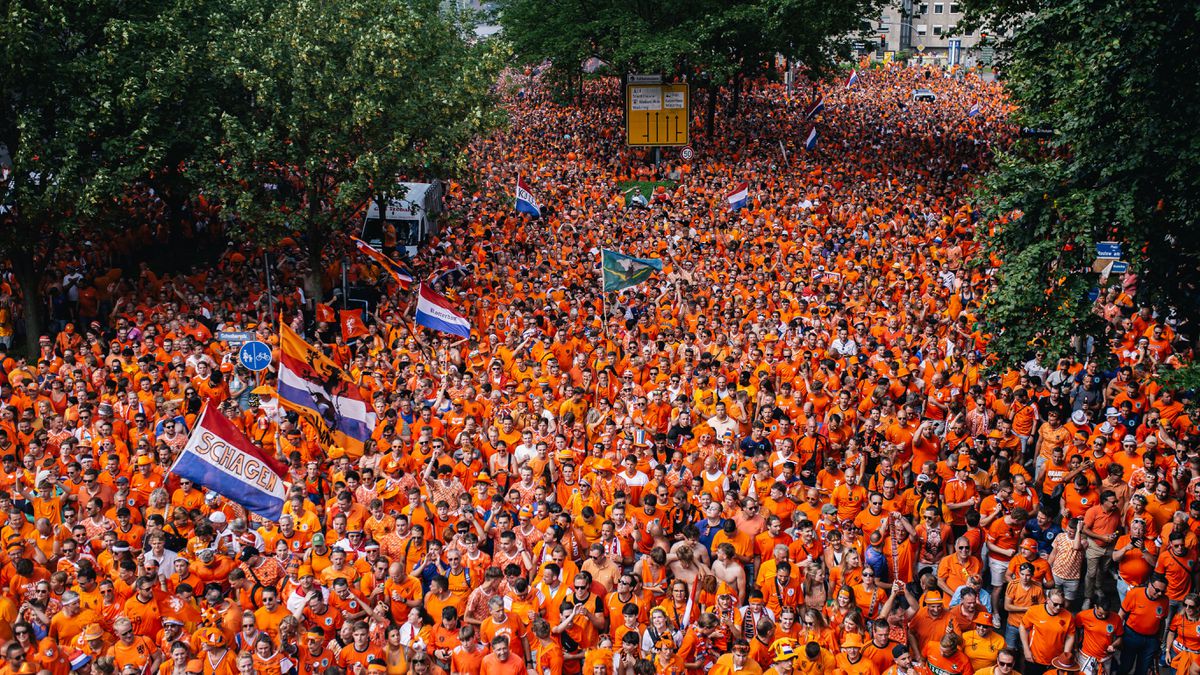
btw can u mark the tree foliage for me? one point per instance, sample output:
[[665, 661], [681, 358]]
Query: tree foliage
[[345, 96], [1118, 84], [95, 96], [725, 39], [99, 98]]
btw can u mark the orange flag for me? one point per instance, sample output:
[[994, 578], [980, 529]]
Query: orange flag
[[325, 313], [352, 324]]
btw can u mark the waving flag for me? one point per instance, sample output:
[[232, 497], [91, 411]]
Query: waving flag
[[525, 201], [325, 313], [451, 273], [398, 271], [974, 110], [311, 384], [739, 197], [622, 271], [224, 460], [435, 312], [352, 325], [816, 109], [810, 143], [853, 79]]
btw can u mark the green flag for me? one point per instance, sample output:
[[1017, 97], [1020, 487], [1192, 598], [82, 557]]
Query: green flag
[[640, 192], [623, 271]]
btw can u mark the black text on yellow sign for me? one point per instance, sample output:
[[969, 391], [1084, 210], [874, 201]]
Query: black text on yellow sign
[[657, 114]]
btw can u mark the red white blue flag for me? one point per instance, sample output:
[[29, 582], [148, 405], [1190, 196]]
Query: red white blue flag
[[223, 459]]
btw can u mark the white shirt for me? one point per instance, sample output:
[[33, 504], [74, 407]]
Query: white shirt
[[727, 427]]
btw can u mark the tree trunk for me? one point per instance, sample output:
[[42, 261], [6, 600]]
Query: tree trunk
[[32, 301], [737, 94], [314, 279], [710, 117]]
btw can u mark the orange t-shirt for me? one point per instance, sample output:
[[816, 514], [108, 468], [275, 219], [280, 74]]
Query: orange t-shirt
[[1142, 614], [1047, 634]]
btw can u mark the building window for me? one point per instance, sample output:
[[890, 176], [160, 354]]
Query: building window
[[937, 30], [923, 8], [969, 32], [938, 8], [921, 29], [955, 8]]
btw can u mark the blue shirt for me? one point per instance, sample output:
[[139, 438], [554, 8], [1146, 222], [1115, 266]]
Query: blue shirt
[[985, 598], [1044, 538], [708, 532]]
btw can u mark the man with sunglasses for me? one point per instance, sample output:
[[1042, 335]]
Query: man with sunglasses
[[1143, 612], [1006, 663], [1102, 634], [1047, 632]]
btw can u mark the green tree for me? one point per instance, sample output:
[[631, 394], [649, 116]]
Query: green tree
[[1117, 82], [95, 96], [345, 96], [718, 43]]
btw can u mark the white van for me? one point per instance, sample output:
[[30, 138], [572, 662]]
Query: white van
[[411, 218]]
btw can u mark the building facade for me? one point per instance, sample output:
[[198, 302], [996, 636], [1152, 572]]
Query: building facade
[[928, 30]]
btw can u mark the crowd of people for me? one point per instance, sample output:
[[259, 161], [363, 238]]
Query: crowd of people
[[789, 452]]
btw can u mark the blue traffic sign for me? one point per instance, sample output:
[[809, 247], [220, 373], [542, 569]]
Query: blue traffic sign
[[255, 355], [1108, 250]]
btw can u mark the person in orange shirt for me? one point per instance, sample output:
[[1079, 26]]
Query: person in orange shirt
[[1144, 612], [502, 624], [217, 658], [360, 653], [1101, 634], [1047, 631], [930, 620], [961, 494], [502, 661], [135, 650], [850, 661], [850, 498], [953, 570], [945, 656], [737, 661], [1178, 565], [268, 617], [1183, 637], [1102, 525]]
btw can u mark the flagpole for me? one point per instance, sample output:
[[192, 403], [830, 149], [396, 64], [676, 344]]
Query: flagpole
[[603, 299]]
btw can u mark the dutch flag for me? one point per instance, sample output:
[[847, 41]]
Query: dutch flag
[[816, 109], [853, 79], [435, 312], [739, 197], [78, 659], [973, 111], [810, 143], [525, 201]]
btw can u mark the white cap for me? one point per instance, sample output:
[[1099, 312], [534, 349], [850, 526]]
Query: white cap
[[216, 517]]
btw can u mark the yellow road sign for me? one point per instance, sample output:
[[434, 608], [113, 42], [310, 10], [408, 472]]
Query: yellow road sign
[[657, 114]]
